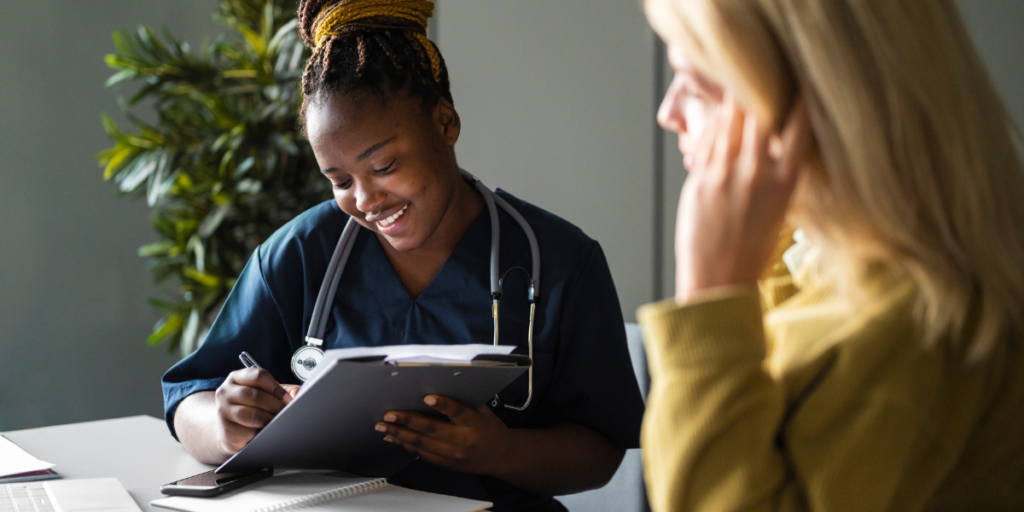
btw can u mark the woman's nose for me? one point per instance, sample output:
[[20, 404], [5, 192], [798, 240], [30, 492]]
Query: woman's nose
[[670, 113], [368, 197]]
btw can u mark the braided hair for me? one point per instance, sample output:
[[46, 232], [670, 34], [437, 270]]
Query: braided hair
[[371, 46]]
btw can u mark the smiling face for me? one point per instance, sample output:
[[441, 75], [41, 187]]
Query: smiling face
[[691, 102], [392, 164]]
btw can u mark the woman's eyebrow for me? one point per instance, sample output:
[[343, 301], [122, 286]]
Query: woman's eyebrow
[[373, 149], [364, 155]]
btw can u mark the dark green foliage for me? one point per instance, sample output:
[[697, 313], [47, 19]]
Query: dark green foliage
[[225, 163]]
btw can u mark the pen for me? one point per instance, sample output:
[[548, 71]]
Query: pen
[[248, 361]]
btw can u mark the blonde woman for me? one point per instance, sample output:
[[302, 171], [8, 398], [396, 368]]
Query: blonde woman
[[876, 363]]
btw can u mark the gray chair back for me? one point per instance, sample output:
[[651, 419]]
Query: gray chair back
[[625, 492]]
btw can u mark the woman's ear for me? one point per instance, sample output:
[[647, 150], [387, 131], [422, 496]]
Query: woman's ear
[[446, 118]]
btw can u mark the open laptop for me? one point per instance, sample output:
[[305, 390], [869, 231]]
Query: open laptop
[[92, 495]]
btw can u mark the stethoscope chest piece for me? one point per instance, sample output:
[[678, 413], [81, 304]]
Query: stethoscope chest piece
[[305, 360]]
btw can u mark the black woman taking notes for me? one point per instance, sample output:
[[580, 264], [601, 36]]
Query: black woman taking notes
[[379, 115]]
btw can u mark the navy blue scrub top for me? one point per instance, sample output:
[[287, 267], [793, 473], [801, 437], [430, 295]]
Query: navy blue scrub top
[[582, 368]]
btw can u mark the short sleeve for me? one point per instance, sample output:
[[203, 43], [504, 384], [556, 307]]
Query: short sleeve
[[593, 382], [250, 320]]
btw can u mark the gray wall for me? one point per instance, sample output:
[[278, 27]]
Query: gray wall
[[997, 27], [557, 99]]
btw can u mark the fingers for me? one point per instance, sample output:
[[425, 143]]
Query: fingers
[[415, 421], [246, 416], [705, 146], [418, 442], [254, 387], [260, 379], [436, 441], [729, 140], [250, 398], [458, 412], [291, 392], [797, 139], [756, 139]]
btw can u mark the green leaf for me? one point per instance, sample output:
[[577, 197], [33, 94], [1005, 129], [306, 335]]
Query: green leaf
[[150, 42], [225, 161], [137, 172], [164, 328], [195, 244], [254, 40], [121, 76], [110, 127], [241, 73], [144, 92], [184, 181], [162, 304], [220, 142], [287, 30], [249, 186], [188, 334], [268, 20], [114, 163], [156, 248], [113, 61], [159, 183], [213, 220], [123, 43], [202, 278], [243, 167]]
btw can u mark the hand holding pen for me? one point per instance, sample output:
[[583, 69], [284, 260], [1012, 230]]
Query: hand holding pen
[[291, 390], [246, 402]]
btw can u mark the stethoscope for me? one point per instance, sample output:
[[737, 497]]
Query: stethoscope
[[307, 357]]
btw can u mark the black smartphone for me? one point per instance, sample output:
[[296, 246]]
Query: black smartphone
[[209, 484]]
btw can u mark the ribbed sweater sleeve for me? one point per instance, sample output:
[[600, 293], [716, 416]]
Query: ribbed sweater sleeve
[[712, 412]]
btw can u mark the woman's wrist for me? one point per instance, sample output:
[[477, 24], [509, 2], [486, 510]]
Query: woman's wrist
[[690, 288], [507, 462]]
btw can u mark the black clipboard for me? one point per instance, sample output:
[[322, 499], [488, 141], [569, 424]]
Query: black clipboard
[[330, 424]]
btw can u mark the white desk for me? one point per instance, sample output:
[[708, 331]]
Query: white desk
[[138, 451]]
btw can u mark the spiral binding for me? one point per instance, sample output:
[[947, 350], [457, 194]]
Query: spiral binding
[[325, 496]]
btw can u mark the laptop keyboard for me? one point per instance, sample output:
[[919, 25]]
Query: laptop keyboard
[[25, 497]]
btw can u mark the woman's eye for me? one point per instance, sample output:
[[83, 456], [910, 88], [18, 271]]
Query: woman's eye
[[692, 93], [343, 185], [386, 168]]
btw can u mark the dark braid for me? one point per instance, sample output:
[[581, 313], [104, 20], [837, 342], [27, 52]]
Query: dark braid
[[380, 55]]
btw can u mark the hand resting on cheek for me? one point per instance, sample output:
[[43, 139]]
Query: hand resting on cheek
[[734, 202]]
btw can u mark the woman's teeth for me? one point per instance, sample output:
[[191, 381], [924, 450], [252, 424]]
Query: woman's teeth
[[391, 220]]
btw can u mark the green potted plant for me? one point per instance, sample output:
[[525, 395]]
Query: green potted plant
[[224, 164]]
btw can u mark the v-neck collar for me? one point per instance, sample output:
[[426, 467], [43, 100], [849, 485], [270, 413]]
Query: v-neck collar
[[469, 256]]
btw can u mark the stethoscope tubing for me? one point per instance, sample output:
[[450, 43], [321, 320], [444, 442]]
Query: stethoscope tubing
[[318, 324], [492, 200], [339, 258]]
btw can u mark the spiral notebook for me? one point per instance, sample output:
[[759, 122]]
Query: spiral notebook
[[319, 492]]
